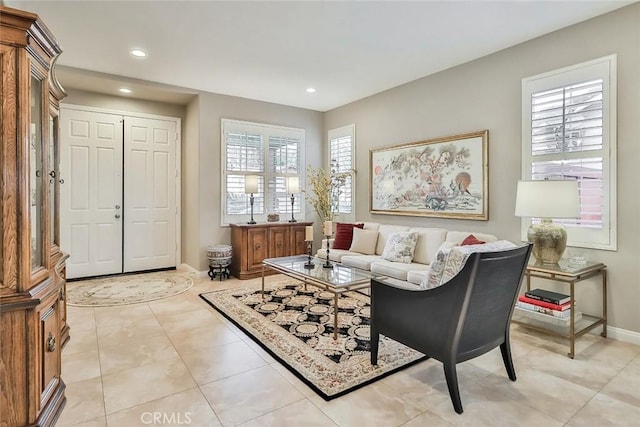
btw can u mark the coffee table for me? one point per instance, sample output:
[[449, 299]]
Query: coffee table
[[337, 280]]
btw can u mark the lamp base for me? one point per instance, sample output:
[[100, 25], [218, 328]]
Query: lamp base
[[549, 241]]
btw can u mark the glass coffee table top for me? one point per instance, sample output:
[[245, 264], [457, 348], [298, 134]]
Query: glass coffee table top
[[338, 275]]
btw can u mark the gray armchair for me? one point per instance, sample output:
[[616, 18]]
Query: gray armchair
[[460, 320]]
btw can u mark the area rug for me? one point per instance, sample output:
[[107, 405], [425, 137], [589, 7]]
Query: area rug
[[296, 327], [129, 289]]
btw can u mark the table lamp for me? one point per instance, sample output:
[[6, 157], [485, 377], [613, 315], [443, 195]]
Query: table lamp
[[250, 187], [292, 187], [546, 200]]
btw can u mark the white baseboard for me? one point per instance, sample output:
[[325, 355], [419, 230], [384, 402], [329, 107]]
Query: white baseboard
[[623, 335]]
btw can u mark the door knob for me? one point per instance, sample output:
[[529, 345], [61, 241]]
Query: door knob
[[117, 215], [117, 206]]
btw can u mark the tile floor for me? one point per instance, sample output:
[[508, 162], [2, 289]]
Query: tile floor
[[178, 362]]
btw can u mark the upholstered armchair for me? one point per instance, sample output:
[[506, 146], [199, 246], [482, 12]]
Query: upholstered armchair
[[462, 319]]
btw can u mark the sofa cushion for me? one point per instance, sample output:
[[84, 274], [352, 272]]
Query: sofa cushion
[[400, 247], [364, 241], [362, 262], [417, 276], [449, 261], [334, 254], [384, 231], [344, 235], [429, 240], [397, 270]]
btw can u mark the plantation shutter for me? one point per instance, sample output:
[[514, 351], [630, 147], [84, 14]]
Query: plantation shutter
[[244, 156], [284, 161], [569, 133], [341, 147]]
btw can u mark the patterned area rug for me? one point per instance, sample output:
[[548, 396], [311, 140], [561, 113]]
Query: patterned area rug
[[129, 289], [296, 327]]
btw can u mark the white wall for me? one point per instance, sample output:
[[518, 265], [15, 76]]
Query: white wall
[[485, 94]]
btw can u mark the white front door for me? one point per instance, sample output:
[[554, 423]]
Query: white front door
[[150, 194], [91, 196]]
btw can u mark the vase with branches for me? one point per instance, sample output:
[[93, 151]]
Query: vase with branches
[[324, 190]]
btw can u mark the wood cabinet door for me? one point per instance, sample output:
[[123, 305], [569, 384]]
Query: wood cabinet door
[[278, 242], [298, 244], [256, 247], [50, 347]]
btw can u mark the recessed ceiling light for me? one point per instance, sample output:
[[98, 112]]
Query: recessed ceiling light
[[138, 53], [310, 90], [125, 90]]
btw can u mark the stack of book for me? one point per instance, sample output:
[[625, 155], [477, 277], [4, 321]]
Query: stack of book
[[552, 307]]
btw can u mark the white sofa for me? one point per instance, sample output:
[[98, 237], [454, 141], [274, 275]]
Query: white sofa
[[429, 241]]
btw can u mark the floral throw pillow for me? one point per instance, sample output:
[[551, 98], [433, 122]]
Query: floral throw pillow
[[400, 247], [450, 260]]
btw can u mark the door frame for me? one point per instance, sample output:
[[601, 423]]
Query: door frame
[[178, 122]]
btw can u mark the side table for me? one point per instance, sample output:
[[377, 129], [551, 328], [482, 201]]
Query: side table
[[222, 270], [571, 274]]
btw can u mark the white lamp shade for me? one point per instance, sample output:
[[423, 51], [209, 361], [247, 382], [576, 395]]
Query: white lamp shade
[[293, 184], [548, 199], [251, 184]]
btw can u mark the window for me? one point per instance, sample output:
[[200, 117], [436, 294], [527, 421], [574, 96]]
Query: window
[[568, 132], [273, 153], [341, 159]]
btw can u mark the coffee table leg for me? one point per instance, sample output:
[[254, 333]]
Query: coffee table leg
[[263, 281], [335, 316]]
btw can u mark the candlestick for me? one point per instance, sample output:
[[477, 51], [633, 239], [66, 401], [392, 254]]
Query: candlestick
[[309, 264], [328, 228]]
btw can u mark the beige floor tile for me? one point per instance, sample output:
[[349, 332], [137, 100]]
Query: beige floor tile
[[81, 341], [129, 330], [222, 361], [626, 385], [427, 419], [291, 378], [554, 396], [249, 395], [106, 317], [182, 303], [579, 371], [188, 407], [136, 353], [203, 338], [487, 407], [603, 411], [177, 323], [85, 402], [378, 405], [81, 318], [302, 413], [96, 422], [131, 387], [80, 366]]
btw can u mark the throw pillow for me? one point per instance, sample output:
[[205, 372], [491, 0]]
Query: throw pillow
[[471, 240], [344, 235], [364, 241], [400, 247]]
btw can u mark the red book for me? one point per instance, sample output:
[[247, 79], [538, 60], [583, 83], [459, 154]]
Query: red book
[[545, 304]]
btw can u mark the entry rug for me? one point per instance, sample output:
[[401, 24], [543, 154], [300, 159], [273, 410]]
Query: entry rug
[[296, 327], [128, 289]]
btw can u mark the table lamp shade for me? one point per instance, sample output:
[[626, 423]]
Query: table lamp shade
[[293, 184], [251, 184], [546, 200]]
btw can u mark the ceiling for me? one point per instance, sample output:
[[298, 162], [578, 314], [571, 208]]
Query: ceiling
[[274, 51]]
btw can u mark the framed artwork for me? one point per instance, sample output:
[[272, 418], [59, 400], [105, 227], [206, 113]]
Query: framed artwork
[[443, 177]]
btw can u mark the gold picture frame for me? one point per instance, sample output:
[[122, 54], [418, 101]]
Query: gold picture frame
[[443, 177]]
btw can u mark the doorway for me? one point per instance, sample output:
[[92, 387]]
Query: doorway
[[119, 207]]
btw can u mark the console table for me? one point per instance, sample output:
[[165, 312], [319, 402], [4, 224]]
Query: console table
[[570, 274]]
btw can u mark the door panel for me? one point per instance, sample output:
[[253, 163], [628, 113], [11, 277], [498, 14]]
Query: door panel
[[91, 196], [150, 205]]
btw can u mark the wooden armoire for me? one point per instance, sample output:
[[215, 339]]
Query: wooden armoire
[[33, 325]]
